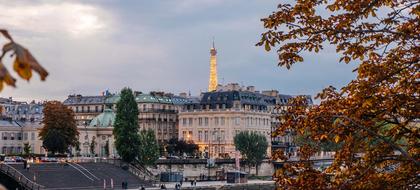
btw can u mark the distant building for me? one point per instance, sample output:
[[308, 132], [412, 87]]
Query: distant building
[[157, 110], [85, 108], [21, 111], [213, 122], [14, 134]]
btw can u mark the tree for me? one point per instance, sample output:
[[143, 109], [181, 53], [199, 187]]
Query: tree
[[59, 131], [376, 114], [149, 149], [127, 139], [107, 148], [92, 146], [23, 64], [191, 148], [26, 149], [253, 147]]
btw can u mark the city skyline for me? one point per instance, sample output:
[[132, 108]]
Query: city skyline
[[109, 46]]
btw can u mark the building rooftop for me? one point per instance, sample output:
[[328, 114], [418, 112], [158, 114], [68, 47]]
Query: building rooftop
[[79, 99], [105, 119]]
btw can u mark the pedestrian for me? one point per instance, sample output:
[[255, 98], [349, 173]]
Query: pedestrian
[[180, 183], [192, 183], [25, 163], [142, 188], [195, 183]]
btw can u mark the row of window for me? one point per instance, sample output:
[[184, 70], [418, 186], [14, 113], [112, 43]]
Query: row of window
[[83, 109], [16, 136], [249, 121]]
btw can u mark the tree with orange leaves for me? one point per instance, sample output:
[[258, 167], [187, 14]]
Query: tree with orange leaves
[[23, 64], [375, 117], [59, 131]]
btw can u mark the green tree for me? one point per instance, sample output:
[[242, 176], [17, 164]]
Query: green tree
[[126, 128], [107, 148], [253, 147], [26, 149], [59, 131], [92, 146], [149, 149]]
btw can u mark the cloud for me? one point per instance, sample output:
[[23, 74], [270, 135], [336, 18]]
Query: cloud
[[73, 19]]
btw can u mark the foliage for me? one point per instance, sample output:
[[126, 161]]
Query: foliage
[[382, 39], [92, 146], [253, 147], [126, 128], [23, 64], [149, 149], [59, 131], [26, 149], [325, 145], [179, 147], [107, 148]]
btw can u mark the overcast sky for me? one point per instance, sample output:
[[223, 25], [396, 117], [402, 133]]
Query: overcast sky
[[93, 45]]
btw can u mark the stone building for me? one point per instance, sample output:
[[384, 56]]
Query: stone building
[[85, 108], [14, 134], [157, 111], [21, 111], [98, 132], [219, 116]]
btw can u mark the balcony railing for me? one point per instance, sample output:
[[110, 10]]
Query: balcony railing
[[19, 177]]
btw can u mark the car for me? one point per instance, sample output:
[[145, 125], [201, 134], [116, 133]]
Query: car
[[9, 159]]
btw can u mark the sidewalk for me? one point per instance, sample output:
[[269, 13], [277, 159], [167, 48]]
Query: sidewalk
[[171, 185]]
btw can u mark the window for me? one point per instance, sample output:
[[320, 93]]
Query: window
[[96, 109], [200, 136], [222, 135], [184, 121], [77, 109], [200, 121], [190, 121], [222, 121], [216, 121], [206, 136], [206, 121], [190, 135], [237, 120], [88, 109], [184, 134], [32, 136], [25, 136]]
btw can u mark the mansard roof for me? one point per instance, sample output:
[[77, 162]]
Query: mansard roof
[[84, 100]]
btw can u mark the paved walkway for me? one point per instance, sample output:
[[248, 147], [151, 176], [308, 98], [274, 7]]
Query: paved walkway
[[171, 185]]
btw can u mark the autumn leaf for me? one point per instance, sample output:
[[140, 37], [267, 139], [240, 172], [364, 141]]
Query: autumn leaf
[[336, 138], [6, 77], [23, 63]]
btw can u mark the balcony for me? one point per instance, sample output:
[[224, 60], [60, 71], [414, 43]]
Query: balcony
[[152, 110]]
